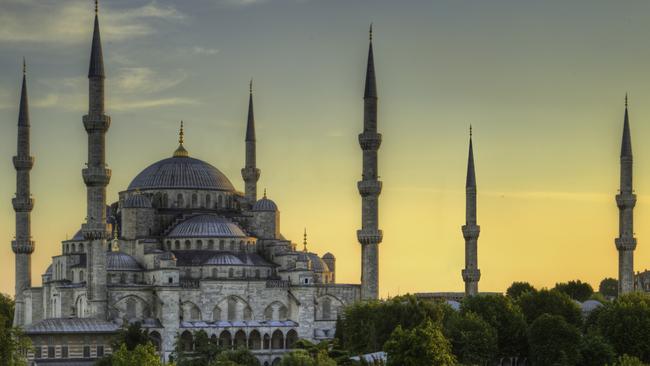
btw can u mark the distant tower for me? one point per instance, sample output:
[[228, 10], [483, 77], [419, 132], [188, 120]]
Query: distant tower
[[250, 173], [23, 204], [96, 176], [370, 187], [471, 273], [625, 200]]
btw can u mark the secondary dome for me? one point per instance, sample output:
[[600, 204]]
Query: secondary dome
[[118, 261], [206, 226], [181, 172]]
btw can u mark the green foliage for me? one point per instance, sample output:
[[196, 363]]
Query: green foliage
[[424, 345], [7, 310], [519, 288], [505, 317], [13, 343], [608, 287], [551, 302], [366, 326], [625, 324], [626, 360], [595, 351], [205, 351], [302, 357], [577, 290], [240, 357], [131, 335], [553, 341], [473, 340], [141, 355]]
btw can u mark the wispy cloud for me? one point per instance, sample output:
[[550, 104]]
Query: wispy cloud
[[70, 21], [146, 80], [198, 50], [241, 2], [123, 105]]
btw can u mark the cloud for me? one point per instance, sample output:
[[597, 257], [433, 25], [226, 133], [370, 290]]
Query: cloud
[[125, 105], [197, 50], [241, 2], [70, 21], [146, 80]]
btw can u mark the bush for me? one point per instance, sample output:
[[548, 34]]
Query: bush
[[519, 288], [595, 351], [550, 302], [577, 290], [553, 341], [473, 340], [424, 345], [625, 324]]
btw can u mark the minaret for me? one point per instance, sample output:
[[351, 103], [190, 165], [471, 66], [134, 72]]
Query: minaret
[[625, 200], [250, 173], [23, 246], [369, 187], [96, 176], [471, 273]]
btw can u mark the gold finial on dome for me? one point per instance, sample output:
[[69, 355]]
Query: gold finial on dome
[[180, 151], [304, 242]]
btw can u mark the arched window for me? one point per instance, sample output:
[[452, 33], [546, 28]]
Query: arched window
[[180, 202], [165, 200], [241, 245], [199, 244], [232, 245], [81, 247], [327, 308], [208, 201], [267, 341], [248, 313], [130, 308], [195, 313], [221, 244], [187, 341], [216, 314], [82, 277], [225, 339], [292, 337], [156, 339], [220, 201], [210, 244], [255, 340], [240, 339], [277, 340], [215, 273], [74, 247], [188, 244], [231, 273], [177, 245], [232, 309], [169, 245], [195, 200]]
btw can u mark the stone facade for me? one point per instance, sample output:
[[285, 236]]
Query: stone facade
[[182, 250]]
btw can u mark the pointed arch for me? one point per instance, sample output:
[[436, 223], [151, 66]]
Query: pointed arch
[[254, 340], [225, 339], [190, 311], [276, 311], [240, 339], [277, 340], [292, 338]]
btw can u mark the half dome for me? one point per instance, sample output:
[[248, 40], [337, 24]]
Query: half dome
[[206, 226], [180, 172]]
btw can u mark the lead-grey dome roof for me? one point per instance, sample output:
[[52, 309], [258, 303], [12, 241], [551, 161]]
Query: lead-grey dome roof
[[137, 201], [118, 261], [181, 173], [206, 226], [265, 204]]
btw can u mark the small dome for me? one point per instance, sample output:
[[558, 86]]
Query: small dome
[[329, 255], [48, 271], [303, 257], [455, 305], [118, 261], [224, 259], [590, 305], [317, 263], [265, 204], [206, 226], [137, 201]]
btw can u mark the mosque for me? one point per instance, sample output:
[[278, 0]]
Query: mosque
[[182, 250]]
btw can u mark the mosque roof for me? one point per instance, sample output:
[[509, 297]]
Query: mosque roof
[[137, 201], [265, 204], [71, 325], [118, 261], [317, 263], [206, 226], [211, 257], [181, 172]]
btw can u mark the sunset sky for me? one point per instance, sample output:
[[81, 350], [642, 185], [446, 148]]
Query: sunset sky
[[542, 82]]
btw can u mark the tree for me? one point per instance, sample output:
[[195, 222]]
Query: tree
[[519, 288], [551, 302], [141, 355], [608, 287], [132, 336], [577, 290], [625, 324], [626, 360], [240, 357], [505, 317], [297, 358], [7, 305], [203, 353], [553, 341], [13, 343], [595, 351], [424, 345], [473, 340]]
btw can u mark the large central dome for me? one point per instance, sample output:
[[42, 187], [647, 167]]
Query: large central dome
[[181, 172]]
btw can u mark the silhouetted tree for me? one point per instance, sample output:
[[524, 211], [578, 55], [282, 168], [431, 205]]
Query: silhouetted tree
[[519, 288], [553, 341], [473, 340], [577, 290], [424, 345], [625, 324], [608, 287], [550, 302], [595, 351]]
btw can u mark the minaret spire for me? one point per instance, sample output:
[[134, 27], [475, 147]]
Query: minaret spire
[[471, 274], [181, 152], [304, 241], [626, 200], [250, 173], [370, 186], [96, 176], [23, 203]]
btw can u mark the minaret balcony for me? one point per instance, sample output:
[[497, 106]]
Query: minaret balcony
[[471, 231], [96, 122], [625, 200], [366, 236], [23, 162], [625, 243], [94, 231], [471, 275], [22, 246], [22, 204], [369, 187], [250, 174], [96, 176], [370, 140]]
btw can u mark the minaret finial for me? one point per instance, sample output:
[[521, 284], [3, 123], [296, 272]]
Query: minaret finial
[[470, 130], [304, 241], [264, 192], [181, 134], [96, 7], [24, 66], [250, 86], [625, 100], [370, 32]]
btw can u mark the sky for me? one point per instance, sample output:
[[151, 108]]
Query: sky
[[542, 83]]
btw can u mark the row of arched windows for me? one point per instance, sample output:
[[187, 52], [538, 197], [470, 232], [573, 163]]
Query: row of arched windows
[[195, 200], [222, 271], [254, 340], [73, 248], [230, 245], [235, 309]]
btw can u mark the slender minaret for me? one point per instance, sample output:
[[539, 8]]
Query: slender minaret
[[23, 246], [96, 176], [250, 173], [625, 200], [471, 273], [370, 187]]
